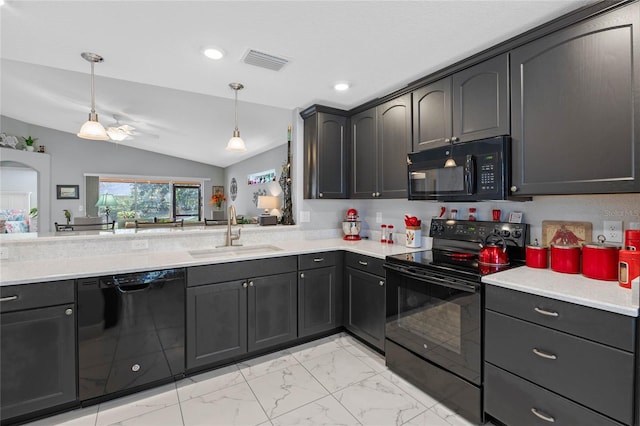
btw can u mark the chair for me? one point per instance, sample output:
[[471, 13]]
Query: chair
[[92, 226], [173, 224]]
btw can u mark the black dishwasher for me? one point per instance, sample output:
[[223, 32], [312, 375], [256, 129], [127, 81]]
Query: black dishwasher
[[130, 331]]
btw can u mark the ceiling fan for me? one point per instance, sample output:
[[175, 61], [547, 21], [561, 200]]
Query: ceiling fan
[[119, 132]]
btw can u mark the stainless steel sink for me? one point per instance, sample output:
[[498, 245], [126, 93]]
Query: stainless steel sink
[[233, 251]]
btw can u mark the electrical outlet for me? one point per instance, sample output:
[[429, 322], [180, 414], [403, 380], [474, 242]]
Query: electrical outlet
[[4, 252], [378, 217], [139, 244], [305, 216], [80, 208], [613, 231]]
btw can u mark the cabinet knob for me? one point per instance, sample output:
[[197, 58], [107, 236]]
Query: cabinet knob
[[447, 140], [514, 188], [455, 139], [245, 285], [321, 195], [68, 312], [373, 194], [377, 194], [135, 367], [302, 275], [250, 283], [381, 282]]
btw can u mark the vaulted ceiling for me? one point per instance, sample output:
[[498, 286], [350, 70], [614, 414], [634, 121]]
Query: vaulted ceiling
[[155, 78]]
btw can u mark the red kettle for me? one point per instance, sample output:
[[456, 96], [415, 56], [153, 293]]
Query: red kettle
[[491, 253]]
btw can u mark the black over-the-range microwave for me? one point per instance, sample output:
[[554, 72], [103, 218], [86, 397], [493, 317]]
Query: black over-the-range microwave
[[469, 171]]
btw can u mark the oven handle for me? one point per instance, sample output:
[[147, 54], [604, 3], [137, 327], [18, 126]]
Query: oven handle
[[428, 278]]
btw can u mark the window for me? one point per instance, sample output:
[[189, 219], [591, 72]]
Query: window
[[153, 199]]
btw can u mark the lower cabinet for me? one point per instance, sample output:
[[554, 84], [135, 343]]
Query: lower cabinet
[[319, 292], [365, 311], [229, 318], [37, 348], [545, 364]]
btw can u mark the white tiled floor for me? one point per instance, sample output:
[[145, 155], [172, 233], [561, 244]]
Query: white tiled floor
[[331, 381]]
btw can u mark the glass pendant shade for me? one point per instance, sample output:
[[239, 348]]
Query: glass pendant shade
[[450, 163], [92, 129]]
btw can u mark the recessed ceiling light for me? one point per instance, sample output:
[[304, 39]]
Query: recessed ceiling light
[[212, 52], [341, 87], [1, 3]]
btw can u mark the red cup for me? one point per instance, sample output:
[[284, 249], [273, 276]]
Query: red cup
[[537, 256], [496, 213]]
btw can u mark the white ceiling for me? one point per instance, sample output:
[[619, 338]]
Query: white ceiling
[[155, 77]]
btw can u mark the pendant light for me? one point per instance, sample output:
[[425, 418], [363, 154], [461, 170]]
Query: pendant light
[[450, 161], [92, 129], [236, 143]]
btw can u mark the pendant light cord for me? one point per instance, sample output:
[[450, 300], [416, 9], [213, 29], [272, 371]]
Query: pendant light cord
[[236, 108], [93, 94]]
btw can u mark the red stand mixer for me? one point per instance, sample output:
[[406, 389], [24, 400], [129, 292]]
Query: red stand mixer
[[351, 226]]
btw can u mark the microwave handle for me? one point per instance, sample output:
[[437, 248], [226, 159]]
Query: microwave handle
[[469, 175]]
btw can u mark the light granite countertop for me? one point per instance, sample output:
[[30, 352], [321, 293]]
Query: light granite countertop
[[43, 270], [574, 288]]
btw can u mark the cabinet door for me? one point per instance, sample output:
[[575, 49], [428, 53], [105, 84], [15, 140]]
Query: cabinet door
[[481, 100], [574, 94], [317, 297], [272, 310], [365, 306], [394, 143], [325, 174], [37, 359], [432, 115], [332, 156], [216, 322], [364, 159]]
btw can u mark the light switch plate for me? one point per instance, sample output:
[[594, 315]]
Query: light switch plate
[[378, 217], [613, 231]]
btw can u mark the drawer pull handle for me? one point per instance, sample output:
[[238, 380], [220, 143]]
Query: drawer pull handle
[[545, 312], [8, 298], [363, 263], [318, 259], [544, 354], [545, 417]]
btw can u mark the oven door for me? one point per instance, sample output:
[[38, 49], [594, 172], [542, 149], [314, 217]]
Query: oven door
[[436, 316]]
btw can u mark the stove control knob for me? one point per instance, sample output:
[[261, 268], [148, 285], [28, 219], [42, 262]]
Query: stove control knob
[[505, 233], [517, 234]]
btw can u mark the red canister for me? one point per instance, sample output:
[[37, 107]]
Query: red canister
[[537, 256], [632, 239], [629, 267], [600, 260], [565, 258]]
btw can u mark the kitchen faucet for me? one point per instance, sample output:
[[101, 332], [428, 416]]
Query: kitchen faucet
[[232, 220]]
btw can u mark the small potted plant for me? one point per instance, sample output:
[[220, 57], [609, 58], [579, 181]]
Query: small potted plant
[[28, 142]]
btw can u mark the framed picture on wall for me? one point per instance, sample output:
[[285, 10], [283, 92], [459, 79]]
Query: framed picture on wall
[[217, 190], [68, 192]]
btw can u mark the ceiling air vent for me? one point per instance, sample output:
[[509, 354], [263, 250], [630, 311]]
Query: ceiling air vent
[[264, 60]]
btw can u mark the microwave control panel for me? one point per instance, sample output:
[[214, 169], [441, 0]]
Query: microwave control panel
[[489, 173]]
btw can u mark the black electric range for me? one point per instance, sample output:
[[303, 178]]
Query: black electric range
[[434, 308]]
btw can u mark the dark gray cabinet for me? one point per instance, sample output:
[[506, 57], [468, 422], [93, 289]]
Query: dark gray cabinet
[[319, 292], [325, 155], [216, 322], [37, 347], [380, 142], [574, 103], [468, 105], [230, 313], [365, 309], [543, 370]]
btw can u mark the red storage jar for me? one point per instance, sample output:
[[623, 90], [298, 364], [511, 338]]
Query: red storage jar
[[629, 267], [632, 239], [537, 256], [565, 258], [600, 260]]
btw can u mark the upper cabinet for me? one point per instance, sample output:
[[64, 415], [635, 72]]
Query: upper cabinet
[[325, 155], [380, 142], [468, 105], [573, 103]]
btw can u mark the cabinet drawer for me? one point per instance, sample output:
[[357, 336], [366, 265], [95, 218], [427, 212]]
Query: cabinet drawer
[[222, 272], [365, 263], [318, 260], [592, 374], [593, 324], [29, 296], [515, 401]]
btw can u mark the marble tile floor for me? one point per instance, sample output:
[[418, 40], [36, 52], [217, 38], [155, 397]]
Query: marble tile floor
[[332, 381]]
